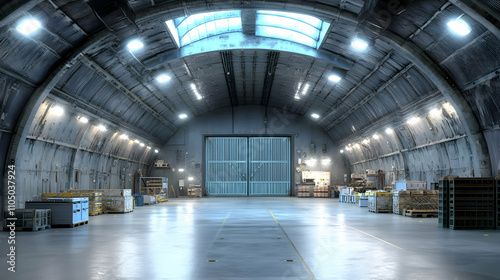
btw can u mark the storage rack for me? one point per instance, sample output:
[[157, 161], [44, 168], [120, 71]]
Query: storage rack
[[155, 186]]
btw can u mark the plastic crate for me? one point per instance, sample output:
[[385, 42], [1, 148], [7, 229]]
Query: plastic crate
[[443, 203], [30, 219]]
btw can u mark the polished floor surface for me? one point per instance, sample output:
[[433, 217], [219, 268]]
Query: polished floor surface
[[254, 238]]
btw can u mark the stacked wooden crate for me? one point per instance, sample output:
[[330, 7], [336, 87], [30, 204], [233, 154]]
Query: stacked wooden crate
[[415, 203], [113, 200], [303, 191], [380, 202], [321, 192], [468, 203], [95, 199]]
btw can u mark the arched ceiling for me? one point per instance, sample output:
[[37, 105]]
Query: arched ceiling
[[79, 56]]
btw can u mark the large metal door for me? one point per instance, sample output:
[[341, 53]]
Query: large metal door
[[269, 159], [229, 160], [227, 166]]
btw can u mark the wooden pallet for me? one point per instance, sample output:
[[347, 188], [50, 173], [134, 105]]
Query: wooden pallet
[[95, 213], [380, 211], [421, 213], [38, 228], [71, 226]]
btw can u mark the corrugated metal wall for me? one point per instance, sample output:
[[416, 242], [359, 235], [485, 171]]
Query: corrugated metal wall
[[61, 153]]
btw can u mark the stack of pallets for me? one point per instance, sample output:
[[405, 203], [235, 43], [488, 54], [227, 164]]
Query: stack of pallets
[[29, 219], [468, 203]]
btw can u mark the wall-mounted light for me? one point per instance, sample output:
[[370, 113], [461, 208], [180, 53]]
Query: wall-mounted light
[[124, 136], [101, 127], [366, 141], [57, 110], [412, 120], [389, 130], [356, 145], [137, 141], [83, 119], [181, 169], [375, 136], [311, 162], [434, 112], [142, 144]]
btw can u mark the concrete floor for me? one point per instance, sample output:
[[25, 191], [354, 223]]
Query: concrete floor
[[252, 238]]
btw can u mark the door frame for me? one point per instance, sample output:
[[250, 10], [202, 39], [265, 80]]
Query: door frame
[[204, 156]]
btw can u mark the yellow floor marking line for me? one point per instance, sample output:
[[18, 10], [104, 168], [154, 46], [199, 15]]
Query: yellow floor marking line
[[311, 274], [224, 221], [377, 238]]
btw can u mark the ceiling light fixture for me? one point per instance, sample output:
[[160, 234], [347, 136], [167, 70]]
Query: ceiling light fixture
[[141, 144], [83, 119], [28, 26], [124, 136], [375, 136], [137, 141], [366, 141], [183, 116], [334, 78], [101, 127], [356, 145], [156, 151], [316, 116], [163, 78], [459, 26], [359, 44], [305, 89], [198, 96], [135, 45], [341, 151], [389, 130], [181, 169]]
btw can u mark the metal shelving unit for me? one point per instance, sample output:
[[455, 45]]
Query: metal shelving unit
[[155, 186]]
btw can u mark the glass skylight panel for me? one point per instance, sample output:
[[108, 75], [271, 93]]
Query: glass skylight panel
[[299, 28], [200, 26]]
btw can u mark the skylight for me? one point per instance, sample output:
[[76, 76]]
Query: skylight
[[186, 30], [298, 28]]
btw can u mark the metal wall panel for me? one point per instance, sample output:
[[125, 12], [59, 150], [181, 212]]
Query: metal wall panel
[[227, 168], [269, 159]]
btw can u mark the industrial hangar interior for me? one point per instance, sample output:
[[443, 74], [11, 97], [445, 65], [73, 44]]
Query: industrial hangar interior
[[229, 112]]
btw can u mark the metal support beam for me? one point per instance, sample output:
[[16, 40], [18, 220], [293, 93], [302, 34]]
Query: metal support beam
[[18, 77], [480, 13], [337, 104], [369, 97], [272, 62], [479, 149], [92, 65], [227, 65], [73, 23]]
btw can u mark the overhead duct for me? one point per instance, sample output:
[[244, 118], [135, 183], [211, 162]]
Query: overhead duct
[[116, 15]]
